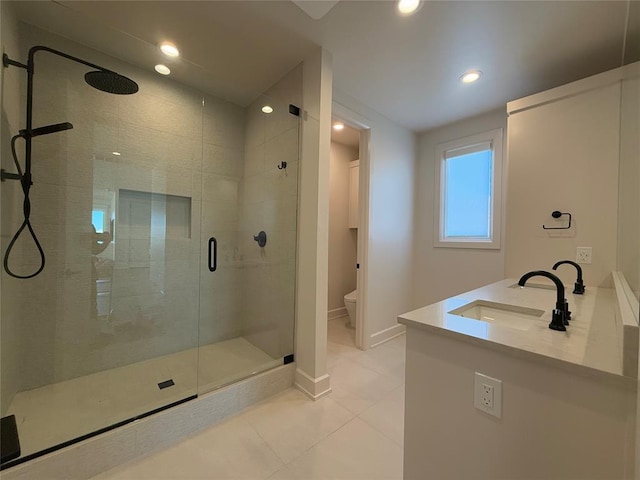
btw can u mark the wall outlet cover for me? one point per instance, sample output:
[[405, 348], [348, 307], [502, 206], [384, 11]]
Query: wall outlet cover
[[583, 255], [487, 395]]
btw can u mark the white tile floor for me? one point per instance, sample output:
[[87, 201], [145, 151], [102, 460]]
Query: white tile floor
[[354, 433]]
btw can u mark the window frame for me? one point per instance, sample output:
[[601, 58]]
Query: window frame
[[495, 139]]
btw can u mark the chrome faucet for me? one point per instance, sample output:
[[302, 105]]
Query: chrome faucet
[[558, 318], [578, 287]]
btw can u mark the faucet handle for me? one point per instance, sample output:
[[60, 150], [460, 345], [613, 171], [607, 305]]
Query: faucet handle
[[567, 312], [557, 320]]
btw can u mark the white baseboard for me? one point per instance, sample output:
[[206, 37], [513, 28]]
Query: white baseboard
[[387, 334], [337, 313], [314, 388], [103, 452]]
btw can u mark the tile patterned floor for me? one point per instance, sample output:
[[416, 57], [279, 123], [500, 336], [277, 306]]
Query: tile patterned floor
[[354, 433]]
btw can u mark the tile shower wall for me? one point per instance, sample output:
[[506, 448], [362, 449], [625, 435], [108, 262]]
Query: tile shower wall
[[269, 203], [149, 299], [11, 337]]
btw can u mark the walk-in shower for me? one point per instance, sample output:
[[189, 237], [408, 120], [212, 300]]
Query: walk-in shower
[[102, 79], [137, 310]]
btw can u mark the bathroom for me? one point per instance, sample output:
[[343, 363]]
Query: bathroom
[[272, 297]]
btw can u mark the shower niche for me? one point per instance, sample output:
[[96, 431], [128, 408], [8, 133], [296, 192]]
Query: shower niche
[[146, 238], [148, 224]]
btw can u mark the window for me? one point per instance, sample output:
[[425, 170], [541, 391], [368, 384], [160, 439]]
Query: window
[[97, 219], [468, 193]]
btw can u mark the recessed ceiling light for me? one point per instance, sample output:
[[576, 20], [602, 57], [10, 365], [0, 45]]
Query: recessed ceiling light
[[407, 7], [117, 154], [470, 76], [267, 109], [338, 126], [169, 49], [162, 69]]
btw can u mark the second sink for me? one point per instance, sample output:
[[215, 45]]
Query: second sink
[[502, 314]]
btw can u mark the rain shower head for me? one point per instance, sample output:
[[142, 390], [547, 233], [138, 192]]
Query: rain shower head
[[111, 82], [46, 130]]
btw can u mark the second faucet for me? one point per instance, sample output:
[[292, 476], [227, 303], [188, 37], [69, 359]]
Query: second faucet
[[559, 317]]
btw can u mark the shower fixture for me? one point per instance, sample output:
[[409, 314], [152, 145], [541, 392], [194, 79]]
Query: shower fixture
[[261, 238], [101, 79]]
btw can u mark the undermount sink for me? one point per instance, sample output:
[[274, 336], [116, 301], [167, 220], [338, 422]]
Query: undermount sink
[[511, 316]]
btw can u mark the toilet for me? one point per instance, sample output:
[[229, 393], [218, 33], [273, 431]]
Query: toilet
[[350, 305]]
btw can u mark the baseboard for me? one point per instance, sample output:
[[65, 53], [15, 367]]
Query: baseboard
[[91, 457], [387, 334], [337, 313], [314, 388]]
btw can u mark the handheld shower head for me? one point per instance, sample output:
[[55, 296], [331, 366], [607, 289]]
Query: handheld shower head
[[46, 130], [111, 82]]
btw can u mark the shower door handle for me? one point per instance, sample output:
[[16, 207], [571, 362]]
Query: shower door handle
[[213, 254]]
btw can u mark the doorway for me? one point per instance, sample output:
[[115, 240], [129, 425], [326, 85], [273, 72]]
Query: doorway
[[348, 204], [343, 232]]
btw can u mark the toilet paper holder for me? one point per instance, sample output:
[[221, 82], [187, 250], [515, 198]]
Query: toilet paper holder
[[558, 214]]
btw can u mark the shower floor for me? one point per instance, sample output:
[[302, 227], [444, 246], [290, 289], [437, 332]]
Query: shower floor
[[60, 412]]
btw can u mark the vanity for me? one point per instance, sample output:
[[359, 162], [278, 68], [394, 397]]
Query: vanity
[[491, 391], [566, 400]]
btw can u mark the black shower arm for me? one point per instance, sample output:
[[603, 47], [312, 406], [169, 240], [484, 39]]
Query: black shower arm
[[37, 48]]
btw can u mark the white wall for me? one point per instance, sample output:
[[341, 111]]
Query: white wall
[[342, 239], [563, 155], [629, 200], [389, 263], [445, 272], [313, 226]]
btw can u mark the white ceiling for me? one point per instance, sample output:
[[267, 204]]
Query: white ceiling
[[347, 136], [406, 68]]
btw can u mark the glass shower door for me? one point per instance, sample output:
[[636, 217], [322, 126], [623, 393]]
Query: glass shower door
[[108, 332], [247, 290]]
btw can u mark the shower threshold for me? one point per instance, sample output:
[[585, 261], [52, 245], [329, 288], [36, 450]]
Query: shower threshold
[[61, 413]]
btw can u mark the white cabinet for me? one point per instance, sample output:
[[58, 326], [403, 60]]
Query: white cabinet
[[354, 175]]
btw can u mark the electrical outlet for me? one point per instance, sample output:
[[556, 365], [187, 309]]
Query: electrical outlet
[[488, 395], [583, 255]]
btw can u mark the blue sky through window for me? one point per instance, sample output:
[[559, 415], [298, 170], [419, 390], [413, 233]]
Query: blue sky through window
[[97, 218], [468, 195]]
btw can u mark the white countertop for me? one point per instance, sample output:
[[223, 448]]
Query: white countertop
[[591, 342]]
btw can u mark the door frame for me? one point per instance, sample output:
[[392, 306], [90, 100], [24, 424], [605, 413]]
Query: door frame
[[357, 121]]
